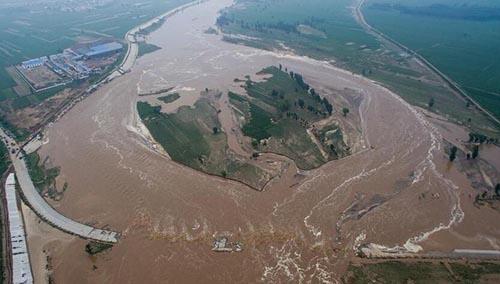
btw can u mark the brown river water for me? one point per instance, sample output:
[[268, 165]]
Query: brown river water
[[301, 228]]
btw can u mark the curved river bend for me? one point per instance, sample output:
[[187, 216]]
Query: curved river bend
[[303, 227]]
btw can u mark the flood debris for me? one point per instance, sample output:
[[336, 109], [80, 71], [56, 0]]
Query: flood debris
[[222, 244]]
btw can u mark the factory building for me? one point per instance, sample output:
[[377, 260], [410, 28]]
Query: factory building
[[32, 63], [101, 49]]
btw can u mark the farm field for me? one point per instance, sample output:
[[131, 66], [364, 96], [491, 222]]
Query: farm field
[[422, 271], [280, 115], [30, 31], [462, 46], [194, 138], [329, 31]]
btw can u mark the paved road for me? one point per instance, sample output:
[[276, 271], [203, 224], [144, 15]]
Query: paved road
[[42, 208]]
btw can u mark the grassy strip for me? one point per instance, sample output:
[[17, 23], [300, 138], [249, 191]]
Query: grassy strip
[[145, 48], [4, 158], [183, 140], [169, 98], [93, 248], [420, 272]]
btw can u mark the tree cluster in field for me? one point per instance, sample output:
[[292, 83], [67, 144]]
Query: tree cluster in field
[[287, 27], [480, 138], [295, 116], [300, 81], [224, 20]]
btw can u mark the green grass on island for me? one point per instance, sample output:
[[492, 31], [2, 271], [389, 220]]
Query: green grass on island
[[278, 114], [422, 272], [43, 176], [145, 48], [327, 30], [193, 137], [93, 248], [170, 98]]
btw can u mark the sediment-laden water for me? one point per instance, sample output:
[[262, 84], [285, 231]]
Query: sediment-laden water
[[396, 190]]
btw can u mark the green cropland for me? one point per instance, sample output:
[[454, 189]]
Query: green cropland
[[328, 30]]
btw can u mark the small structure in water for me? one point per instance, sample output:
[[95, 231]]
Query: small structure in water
[[222, 244]]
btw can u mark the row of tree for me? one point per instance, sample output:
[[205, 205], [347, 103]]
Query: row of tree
[[480, 138]]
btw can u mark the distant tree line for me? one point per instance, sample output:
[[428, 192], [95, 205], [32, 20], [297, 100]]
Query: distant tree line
[[480, 138]]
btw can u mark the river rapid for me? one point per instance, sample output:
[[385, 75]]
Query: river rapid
[[397, 190]]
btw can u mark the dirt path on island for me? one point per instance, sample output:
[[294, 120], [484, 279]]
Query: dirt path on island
[[302, 228]]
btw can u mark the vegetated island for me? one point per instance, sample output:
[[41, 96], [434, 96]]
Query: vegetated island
[[284, 115], [170, 98], [280, 115]]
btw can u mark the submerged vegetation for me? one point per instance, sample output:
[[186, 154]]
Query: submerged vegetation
[[145, 48], [43, 176], [169, 98], [93, 248]]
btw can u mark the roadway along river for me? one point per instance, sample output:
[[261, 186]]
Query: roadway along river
[[304, 226], [43, 209]]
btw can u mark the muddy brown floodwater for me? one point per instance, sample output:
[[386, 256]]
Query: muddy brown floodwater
[[397, 190]]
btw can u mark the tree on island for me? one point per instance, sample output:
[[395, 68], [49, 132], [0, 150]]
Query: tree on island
[[475, 151], [345, 111], [431, 102], [328, 106], [453, 153], [301, 103]]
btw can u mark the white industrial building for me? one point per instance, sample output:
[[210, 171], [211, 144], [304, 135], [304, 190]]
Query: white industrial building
[[32, 63]]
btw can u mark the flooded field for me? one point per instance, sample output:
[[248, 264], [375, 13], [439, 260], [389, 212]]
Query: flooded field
[[397, 190]]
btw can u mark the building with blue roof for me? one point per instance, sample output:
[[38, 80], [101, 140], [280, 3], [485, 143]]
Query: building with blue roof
[[102, 49]]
